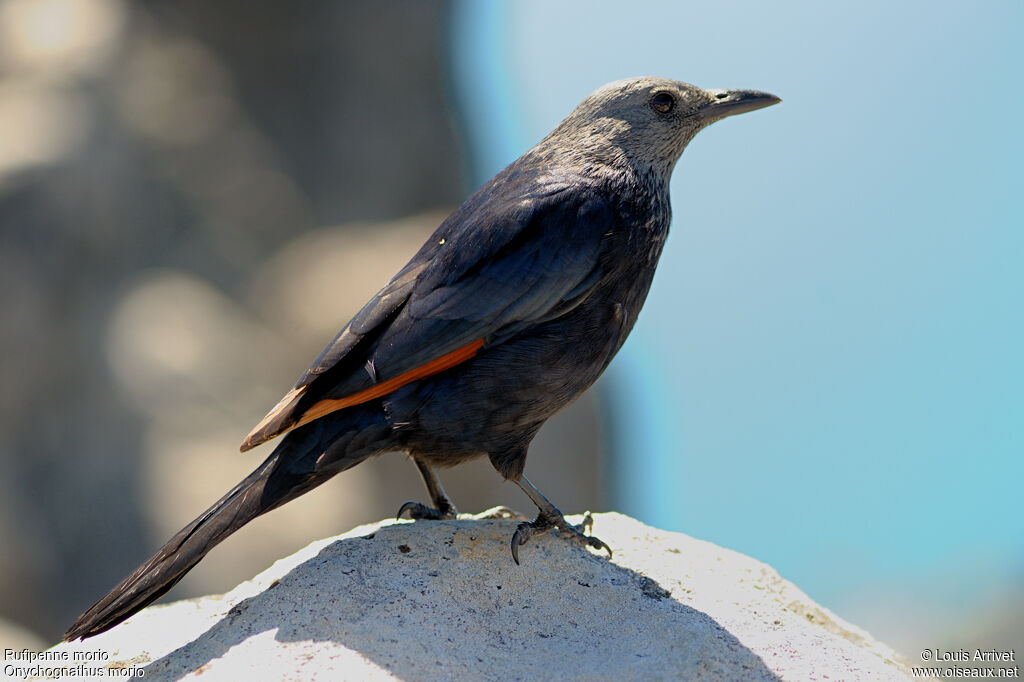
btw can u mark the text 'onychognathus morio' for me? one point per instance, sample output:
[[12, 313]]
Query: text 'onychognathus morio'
[[508, 312]]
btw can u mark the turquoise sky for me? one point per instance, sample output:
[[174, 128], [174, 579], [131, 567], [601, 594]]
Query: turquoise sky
[[829, 372]]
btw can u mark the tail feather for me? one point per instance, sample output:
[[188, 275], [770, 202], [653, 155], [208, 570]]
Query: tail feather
[[305, 458]]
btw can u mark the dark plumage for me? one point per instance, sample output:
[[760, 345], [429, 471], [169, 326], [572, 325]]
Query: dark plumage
[[511, 309]]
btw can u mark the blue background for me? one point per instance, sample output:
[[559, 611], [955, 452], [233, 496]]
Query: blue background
[[828, 372]]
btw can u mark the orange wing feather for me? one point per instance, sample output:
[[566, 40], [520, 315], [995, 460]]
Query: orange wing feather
[[329, 405]]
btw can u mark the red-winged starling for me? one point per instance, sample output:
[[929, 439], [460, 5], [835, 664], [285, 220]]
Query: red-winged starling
[[508, 312]]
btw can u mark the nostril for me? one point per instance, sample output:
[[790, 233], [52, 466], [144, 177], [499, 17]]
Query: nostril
[[722, 95]]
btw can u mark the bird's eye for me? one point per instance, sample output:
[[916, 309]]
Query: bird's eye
[[663, 102]]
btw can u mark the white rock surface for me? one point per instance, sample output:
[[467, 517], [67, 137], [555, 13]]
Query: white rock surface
[[443, 601]]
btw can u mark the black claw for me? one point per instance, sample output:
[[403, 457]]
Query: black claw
[[406, 507], [525, 531], [421, 512], [518, 538]]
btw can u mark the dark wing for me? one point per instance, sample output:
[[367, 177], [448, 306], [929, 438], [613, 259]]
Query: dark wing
[[506, 260], [339, 354]]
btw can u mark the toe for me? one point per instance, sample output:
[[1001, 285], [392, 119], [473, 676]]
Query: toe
[[599, 545], [587, 525], [410, 507], [421, 512], [519, 538]]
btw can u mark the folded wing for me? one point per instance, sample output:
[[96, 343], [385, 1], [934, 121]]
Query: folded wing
[[506, 260]]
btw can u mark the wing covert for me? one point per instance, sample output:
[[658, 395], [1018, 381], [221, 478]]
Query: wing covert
[[498, 265]]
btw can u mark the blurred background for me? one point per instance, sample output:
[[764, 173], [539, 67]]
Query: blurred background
[[827, 376]]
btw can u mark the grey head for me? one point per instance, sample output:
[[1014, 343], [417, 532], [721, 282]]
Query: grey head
[[644, 123]]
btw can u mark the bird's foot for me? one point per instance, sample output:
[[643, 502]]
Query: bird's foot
[[421, 512], [546, 520]]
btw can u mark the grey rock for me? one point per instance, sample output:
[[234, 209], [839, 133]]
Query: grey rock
[[443, 600]]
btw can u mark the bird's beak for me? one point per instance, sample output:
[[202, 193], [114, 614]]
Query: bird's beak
[[730, 102]]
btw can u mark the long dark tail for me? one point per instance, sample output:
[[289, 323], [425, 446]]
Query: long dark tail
[[306, 457]]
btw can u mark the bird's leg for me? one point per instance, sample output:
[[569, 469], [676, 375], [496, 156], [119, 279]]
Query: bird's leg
[[443, 507], [550, 517]]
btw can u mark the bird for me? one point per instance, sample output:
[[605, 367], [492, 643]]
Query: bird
[[511, 309]]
